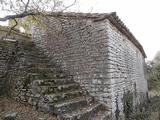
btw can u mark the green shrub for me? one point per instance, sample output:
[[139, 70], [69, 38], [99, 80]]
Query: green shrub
[[128, 104]]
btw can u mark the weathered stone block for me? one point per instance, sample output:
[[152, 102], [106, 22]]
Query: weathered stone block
[[10, 116]]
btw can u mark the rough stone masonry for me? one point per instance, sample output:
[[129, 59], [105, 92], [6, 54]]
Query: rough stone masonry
[[6, 53], [7, 56], [99, 51]]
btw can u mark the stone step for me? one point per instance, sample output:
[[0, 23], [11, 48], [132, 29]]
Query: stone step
[[47, 82], [101, 115], [27, 43], [42, 65], [54, 97], [59, 88], [86, 113], [62, 96], [33, 52], [32, 56], [29, 49], [29, 98], [26, 46], [34, 76], [34, 60], [53, 90], [70, 105], [43, 69]]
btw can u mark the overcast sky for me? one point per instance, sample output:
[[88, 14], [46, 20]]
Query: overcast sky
[[142, 17]]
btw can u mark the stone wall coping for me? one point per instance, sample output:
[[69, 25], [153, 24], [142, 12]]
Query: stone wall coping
[[112, 17]]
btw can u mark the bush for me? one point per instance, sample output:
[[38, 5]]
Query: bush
[[128, 104], [154, 78], [147, 110]]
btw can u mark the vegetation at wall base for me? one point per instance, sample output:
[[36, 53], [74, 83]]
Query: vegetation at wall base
[[153, 73], [148, 110]]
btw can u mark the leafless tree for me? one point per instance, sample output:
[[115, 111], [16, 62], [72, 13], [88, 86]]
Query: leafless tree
[[157, 58], [17, 9]]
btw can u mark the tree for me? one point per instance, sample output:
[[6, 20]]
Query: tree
[[149, 66], [157, 58], [153, 71], [33, 9]]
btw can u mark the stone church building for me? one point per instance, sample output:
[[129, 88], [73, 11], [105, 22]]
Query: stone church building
[[98, 50], [97, 53]]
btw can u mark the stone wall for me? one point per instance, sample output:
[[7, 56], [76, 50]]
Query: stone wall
[[126, 65], [7, 49], [79, 46], [100, 57]]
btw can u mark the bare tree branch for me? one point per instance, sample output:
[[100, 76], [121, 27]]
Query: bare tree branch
[[26, 6], [69, 5], [34, 8], [23, 2], [21, 15], [12, 28]]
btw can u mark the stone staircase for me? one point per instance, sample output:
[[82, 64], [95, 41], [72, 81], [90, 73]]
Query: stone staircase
[[50, 89]]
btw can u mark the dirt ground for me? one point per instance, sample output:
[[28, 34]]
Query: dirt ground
[[24, 112]]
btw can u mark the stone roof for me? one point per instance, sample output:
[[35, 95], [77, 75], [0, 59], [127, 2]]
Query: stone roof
[[112, 17]]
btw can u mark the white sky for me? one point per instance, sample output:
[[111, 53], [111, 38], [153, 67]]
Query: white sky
[[142, 17]]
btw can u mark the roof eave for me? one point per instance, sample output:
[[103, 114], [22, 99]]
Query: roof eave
[[114, 19]]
